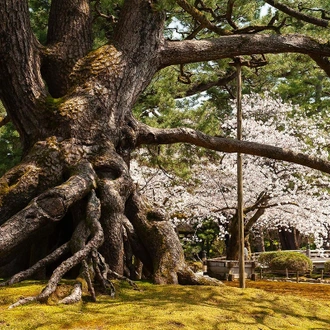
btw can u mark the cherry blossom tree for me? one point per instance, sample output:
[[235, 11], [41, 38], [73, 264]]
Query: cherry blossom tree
[[277, 195]]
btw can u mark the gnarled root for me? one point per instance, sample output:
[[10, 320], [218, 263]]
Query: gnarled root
[[130, 226], [162, 245], [92, 219], [55, 255], [75, 295]]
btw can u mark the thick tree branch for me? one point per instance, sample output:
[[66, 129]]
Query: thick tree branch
[[253, 219], [69, 39], [322, 62], [298, 15], [187, 51], [138, 15], [19, 53], [150, 135]]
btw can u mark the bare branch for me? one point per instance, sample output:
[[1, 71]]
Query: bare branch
[[148, 135], [229, 13], [298, 15], [262, 198], [201, 18], [198, 88], [97, 8], [323, 12]]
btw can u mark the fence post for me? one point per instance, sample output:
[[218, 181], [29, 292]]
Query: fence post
[[204, 262]]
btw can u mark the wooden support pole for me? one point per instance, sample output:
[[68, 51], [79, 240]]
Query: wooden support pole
[[240, 178]]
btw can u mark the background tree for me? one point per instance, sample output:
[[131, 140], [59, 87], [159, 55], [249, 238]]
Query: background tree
[[71, 100], [278, 196]]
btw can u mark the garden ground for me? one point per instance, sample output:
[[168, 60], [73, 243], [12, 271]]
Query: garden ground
[[262, 305]]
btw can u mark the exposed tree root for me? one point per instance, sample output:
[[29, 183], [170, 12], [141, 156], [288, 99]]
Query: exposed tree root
[[92, 219], [50, 206], [128, 222], [101, 271], [123, 278], [162, 245], [23, 301], [99, 259], [75, 295], [40, 264], [86, 275]]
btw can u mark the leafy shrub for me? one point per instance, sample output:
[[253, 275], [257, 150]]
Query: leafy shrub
[[291, 260], [327, 266], [266, 257], [286, 260]]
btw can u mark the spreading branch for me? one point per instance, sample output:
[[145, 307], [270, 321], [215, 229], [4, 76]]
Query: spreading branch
[[323, 62], [188, 51], [298, 15], [198, 88], [149, 135]]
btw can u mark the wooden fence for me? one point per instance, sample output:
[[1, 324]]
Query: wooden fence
[[221, 268]]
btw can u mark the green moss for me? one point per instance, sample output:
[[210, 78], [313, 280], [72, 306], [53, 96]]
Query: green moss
[[168, 307], [52, 104]]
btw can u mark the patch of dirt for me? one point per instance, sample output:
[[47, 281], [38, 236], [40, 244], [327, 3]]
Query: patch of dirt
[[308, 290]]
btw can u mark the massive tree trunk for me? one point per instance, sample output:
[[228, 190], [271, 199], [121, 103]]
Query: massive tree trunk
[[72, 106], [257, 209]]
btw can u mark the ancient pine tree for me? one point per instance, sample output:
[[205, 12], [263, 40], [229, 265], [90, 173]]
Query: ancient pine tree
[[71, 203]]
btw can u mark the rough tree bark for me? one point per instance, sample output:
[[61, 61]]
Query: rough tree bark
[[72, 107], [290, 238]]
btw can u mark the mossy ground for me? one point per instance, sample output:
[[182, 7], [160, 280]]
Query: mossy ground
[[155, 307]]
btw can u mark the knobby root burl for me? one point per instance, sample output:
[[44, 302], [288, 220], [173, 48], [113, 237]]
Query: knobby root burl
[[110, 222]]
